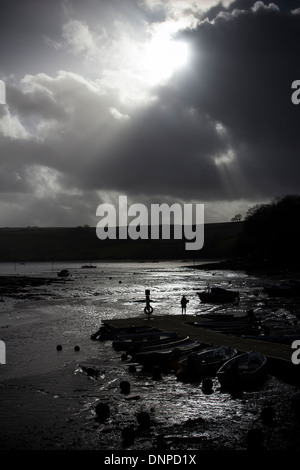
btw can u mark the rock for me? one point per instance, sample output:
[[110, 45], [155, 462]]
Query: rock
[[125, 387], [102, 411], [91, 371]]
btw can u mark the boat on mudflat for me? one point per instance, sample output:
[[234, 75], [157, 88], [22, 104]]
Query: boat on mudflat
[[204, 363], [246, 370], [238, 326], [218, 295], [109, 332], [176, 341], [166, 358], [63, 273], [138, 341], [279, 338]]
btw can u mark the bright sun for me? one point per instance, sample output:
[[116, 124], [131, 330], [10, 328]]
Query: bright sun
[[142, 65], [163, 56]]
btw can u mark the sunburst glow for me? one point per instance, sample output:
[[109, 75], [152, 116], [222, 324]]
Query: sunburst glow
[[163, 56]]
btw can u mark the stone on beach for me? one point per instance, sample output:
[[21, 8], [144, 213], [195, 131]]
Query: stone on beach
[[125, 387], [102, 411]]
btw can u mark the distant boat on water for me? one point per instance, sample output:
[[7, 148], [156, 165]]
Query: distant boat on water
[[63, 273], [89, 266], [218, 295]]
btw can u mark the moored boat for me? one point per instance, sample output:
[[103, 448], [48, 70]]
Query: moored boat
[[108, 332], [165, 358], [63, 273], [206, 362], [138, 341], [218, 295], [175, 342], [246, 370]]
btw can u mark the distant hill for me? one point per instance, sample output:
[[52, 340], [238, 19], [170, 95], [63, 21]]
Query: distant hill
[[82, 243]]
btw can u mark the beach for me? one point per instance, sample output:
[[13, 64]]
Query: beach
[[48, 396]]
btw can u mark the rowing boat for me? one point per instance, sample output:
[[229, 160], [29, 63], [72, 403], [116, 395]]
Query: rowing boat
[[138, 341], [165, 358], [243, 371], [204, 363]]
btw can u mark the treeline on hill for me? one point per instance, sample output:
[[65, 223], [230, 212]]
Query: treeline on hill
[[81, 243], [271, 232]]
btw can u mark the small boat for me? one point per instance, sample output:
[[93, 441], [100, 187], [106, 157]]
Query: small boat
[[234, 324], [280, 339], [138, 341], [88, 266], [63, 273], [246, 370], [167, 358], [108, 332], [175, 342], [204, 363], [218, 295]]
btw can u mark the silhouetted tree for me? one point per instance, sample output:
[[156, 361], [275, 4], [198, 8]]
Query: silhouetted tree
[[271, 231], [236, 218]]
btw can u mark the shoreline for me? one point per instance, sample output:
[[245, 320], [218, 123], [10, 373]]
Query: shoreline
[[263, 268], [54, 409]]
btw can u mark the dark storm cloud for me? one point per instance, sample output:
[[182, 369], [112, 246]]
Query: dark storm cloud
[[243, 64], [165, 150]]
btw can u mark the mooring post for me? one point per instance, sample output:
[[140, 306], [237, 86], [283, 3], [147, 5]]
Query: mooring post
[[148, 309]]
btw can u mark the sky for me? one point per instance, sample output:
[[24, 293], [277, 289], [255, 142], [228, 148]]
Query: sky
[[164, 101]]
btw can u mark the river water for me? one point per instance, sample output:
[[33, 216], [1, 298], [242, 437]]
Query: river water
[[38, 382]]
